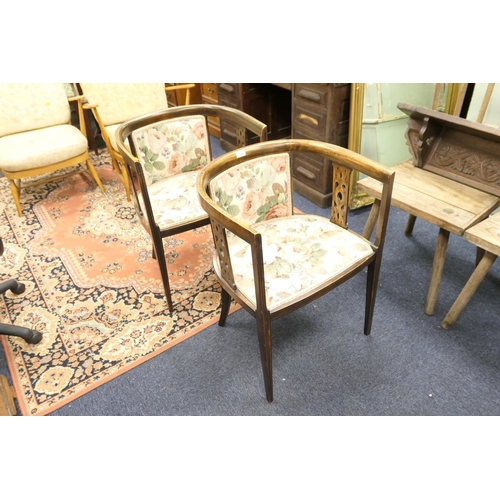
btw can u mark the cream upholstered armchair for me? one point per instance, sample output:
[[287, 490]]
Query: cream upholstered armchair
[[36, 136], [167, 151], [114, 103], [268, 258]]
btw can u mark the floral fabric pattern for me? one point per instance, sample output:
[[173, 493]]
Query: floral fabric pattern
[[301, 253], [174, 200], [255, 190], [172, 147]]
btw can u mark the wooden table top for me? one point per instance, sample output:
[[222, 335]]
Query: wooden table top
[[444, 202]]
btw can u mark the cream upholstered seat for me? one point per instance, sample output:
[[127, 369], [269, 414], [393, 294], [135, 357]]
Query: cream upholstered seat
[[165, 153], [115, 103], [36, 136], [272, 260]]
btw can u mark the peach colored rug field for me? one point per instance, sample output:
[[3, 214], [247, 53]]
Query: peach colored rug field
[[93, 289]]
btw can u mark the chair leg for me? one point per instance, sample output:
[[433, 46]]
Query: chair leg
[[437, 271], [264, 332], [372, 277], [121, 170], [410, 225], [468, 290], [15, 190], [160, 257], [94, 174], [225, 304], [126, 181]]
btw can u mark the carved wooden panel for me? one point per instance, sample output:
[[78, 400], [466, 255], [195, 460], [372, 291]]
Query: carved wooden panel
[[453, 147], [340, 195], [222, 250]]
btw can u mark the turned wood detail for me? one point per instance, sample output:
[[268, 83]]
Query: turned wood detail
[[340, 197]]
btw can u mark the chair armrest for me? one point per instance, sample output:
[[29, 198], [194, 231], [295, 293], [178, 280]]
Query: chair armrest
[[81, 120]]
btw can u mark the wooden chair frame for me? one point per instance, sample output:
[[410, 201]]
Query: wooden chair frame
[[344, 162], [135, 171], [15, 178]]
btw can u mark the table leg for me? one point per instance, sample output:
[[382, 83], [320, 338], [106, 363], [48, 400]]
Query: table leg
[[437, 271], [468, 290], [410, 225]]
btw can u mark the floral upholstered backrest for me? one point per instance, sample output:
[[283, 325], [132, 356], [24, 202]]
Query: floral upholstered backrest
[[255, 190], [172, 147]]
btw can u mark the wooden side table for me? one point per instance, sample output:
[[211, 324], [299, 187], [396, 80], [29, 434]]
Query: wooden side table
[[452, 181]]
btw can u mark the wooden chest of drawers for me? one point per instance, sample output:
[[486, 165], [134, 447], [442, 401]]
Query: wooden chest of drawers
[[320, 111], [209, 95], [264, 101]]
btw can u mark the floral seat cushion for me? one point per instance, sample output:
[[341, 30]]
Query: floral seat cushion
[[175, 200], [301, 253]]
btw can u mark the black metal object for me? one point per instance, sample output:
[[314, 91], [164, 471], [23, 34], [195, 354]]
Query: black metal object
[[29, 335]]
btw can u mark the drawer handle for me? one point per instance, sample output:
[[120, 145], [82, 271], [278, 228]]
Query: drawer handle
[[210, 90], [226, 87], [306, 173], [230, 133], [308, 94], [308, 118]]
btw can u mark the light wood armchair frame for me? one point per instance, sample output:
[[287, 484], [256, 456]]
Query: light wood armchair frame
[[15, 178], [344, 163], [138, 183]]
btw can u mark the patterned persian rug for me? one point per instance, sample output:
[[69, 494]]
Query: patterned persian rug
[[92, 288]]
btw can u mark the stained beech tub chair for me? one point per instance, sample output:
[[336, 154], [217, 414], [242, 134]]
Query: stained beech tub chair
[[115, 103], [164, 152], [273, 261], [36, 136]]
